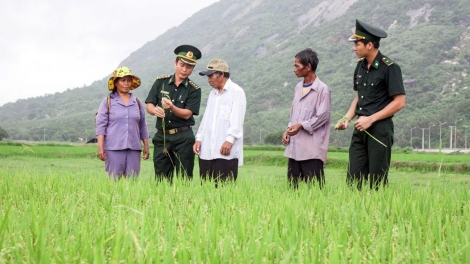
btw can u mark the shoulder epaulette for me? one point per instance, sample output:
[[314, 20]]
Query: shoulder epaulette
[[387, 61], [194, 85], [163, 77], [360, 60]]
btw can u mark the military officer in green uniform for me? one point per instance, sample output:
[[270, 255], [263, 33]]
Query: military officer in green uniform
[[380, 94], [174, 100]]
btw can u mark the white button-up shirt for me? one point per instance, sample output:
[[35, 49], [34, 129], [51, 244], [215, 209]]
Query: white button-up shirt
[[223, 121]]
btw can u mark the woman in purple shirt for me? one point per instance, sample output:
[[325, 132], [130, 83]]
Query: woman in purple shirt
[[120, 126]]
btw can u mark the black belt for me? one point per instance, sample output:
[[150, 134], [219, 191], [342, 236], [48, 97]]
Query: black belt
[[174, 130]]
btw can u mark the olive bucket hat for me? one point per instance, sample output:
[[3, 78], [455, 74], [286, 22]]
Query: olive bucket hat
[[122, 72]]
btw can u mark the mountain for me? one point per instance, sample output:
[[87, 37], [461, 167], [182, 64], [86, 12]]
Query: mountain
[[429, 39]]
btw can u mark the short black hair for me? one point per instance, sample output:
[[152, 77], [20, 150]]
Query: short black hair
[[226, 74], [365, 42], [308, 56]]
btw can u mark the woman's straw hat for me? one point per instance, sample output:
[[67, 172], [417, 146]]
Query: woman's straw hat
[[122, 72]]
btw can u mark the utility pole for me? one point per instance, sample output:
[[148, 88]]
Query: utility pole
[[455, 143], [422, 138], [440, 133], [44, 139], [429, 139], [451, 127]]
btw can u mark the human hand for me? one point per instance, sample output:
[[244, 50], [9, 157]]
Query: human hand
[[146, 153], [294, 129], [342, 124], [197, 147], [166, 103], [101, 153], [285, 139], [226, 148], [363, 123], [159, 112]]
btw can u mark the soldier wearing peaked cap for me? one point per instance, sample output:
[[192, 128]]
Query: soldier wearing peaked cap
[[379, 90], [188, 54], [174, 100]]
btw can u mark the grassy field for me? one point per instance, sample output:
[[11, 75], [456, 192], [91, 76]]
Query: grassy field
[[58, 206]]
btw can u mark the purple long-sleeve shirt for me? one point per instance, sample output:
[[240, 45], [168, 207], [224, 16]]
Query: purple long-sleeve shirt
[[312, 110], [126, 127]]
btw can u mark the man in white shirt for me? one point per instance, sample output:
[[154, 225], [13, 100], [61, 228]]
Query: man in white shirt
[[219, 139]]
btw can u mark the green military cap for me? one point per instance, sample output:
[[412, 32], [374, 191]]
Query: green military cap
[[188, 54], [367, 32]]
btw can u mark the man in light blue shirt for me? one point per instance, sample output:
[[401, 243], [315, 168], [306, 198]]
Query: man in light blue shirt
[[219, 139]]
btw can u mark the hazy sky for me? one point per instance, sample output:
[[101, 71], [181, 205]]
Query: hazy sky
[[48, 46]]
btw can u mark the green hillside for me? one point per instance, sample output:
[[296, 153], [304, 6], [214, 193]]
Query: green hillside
[[429, 39]]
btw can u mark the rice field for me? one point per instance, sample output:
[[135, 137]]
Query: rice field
[[58, 206]]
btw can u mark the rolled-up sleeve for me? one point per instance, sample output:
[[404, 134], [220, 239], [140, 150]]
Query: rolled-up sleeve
[[322, 113]]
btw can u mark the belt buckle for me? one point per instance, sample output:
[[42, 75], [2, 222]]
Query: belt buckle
[[172, 131]]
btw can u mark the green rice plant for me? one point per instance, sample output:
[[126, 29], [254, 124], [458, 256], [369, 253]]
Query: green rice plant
[[165, 94], [10, 143], [442, 159], [27, 148], [67, 217], [72, 212]]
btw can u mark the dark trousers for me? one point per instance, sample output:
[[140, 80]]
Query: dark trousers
[[179, 157], [308, 171], [368, 159], [218, 170]]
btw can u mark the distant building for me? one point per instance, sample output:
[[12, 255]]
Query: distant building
[[93, 140]]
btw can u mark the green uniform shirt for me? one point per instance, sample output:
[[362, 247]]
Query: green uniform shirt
[[187, 96], [376, 86]]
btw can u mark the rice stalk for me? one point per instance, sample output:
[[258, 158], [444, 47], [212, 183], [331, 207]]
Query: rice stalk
[[166, 95], [27, 148], [88, 219], [343, 118]]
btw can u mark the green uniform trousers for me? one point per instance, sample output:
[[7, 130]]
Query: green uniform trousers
[[368, 159], [180, 156]]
